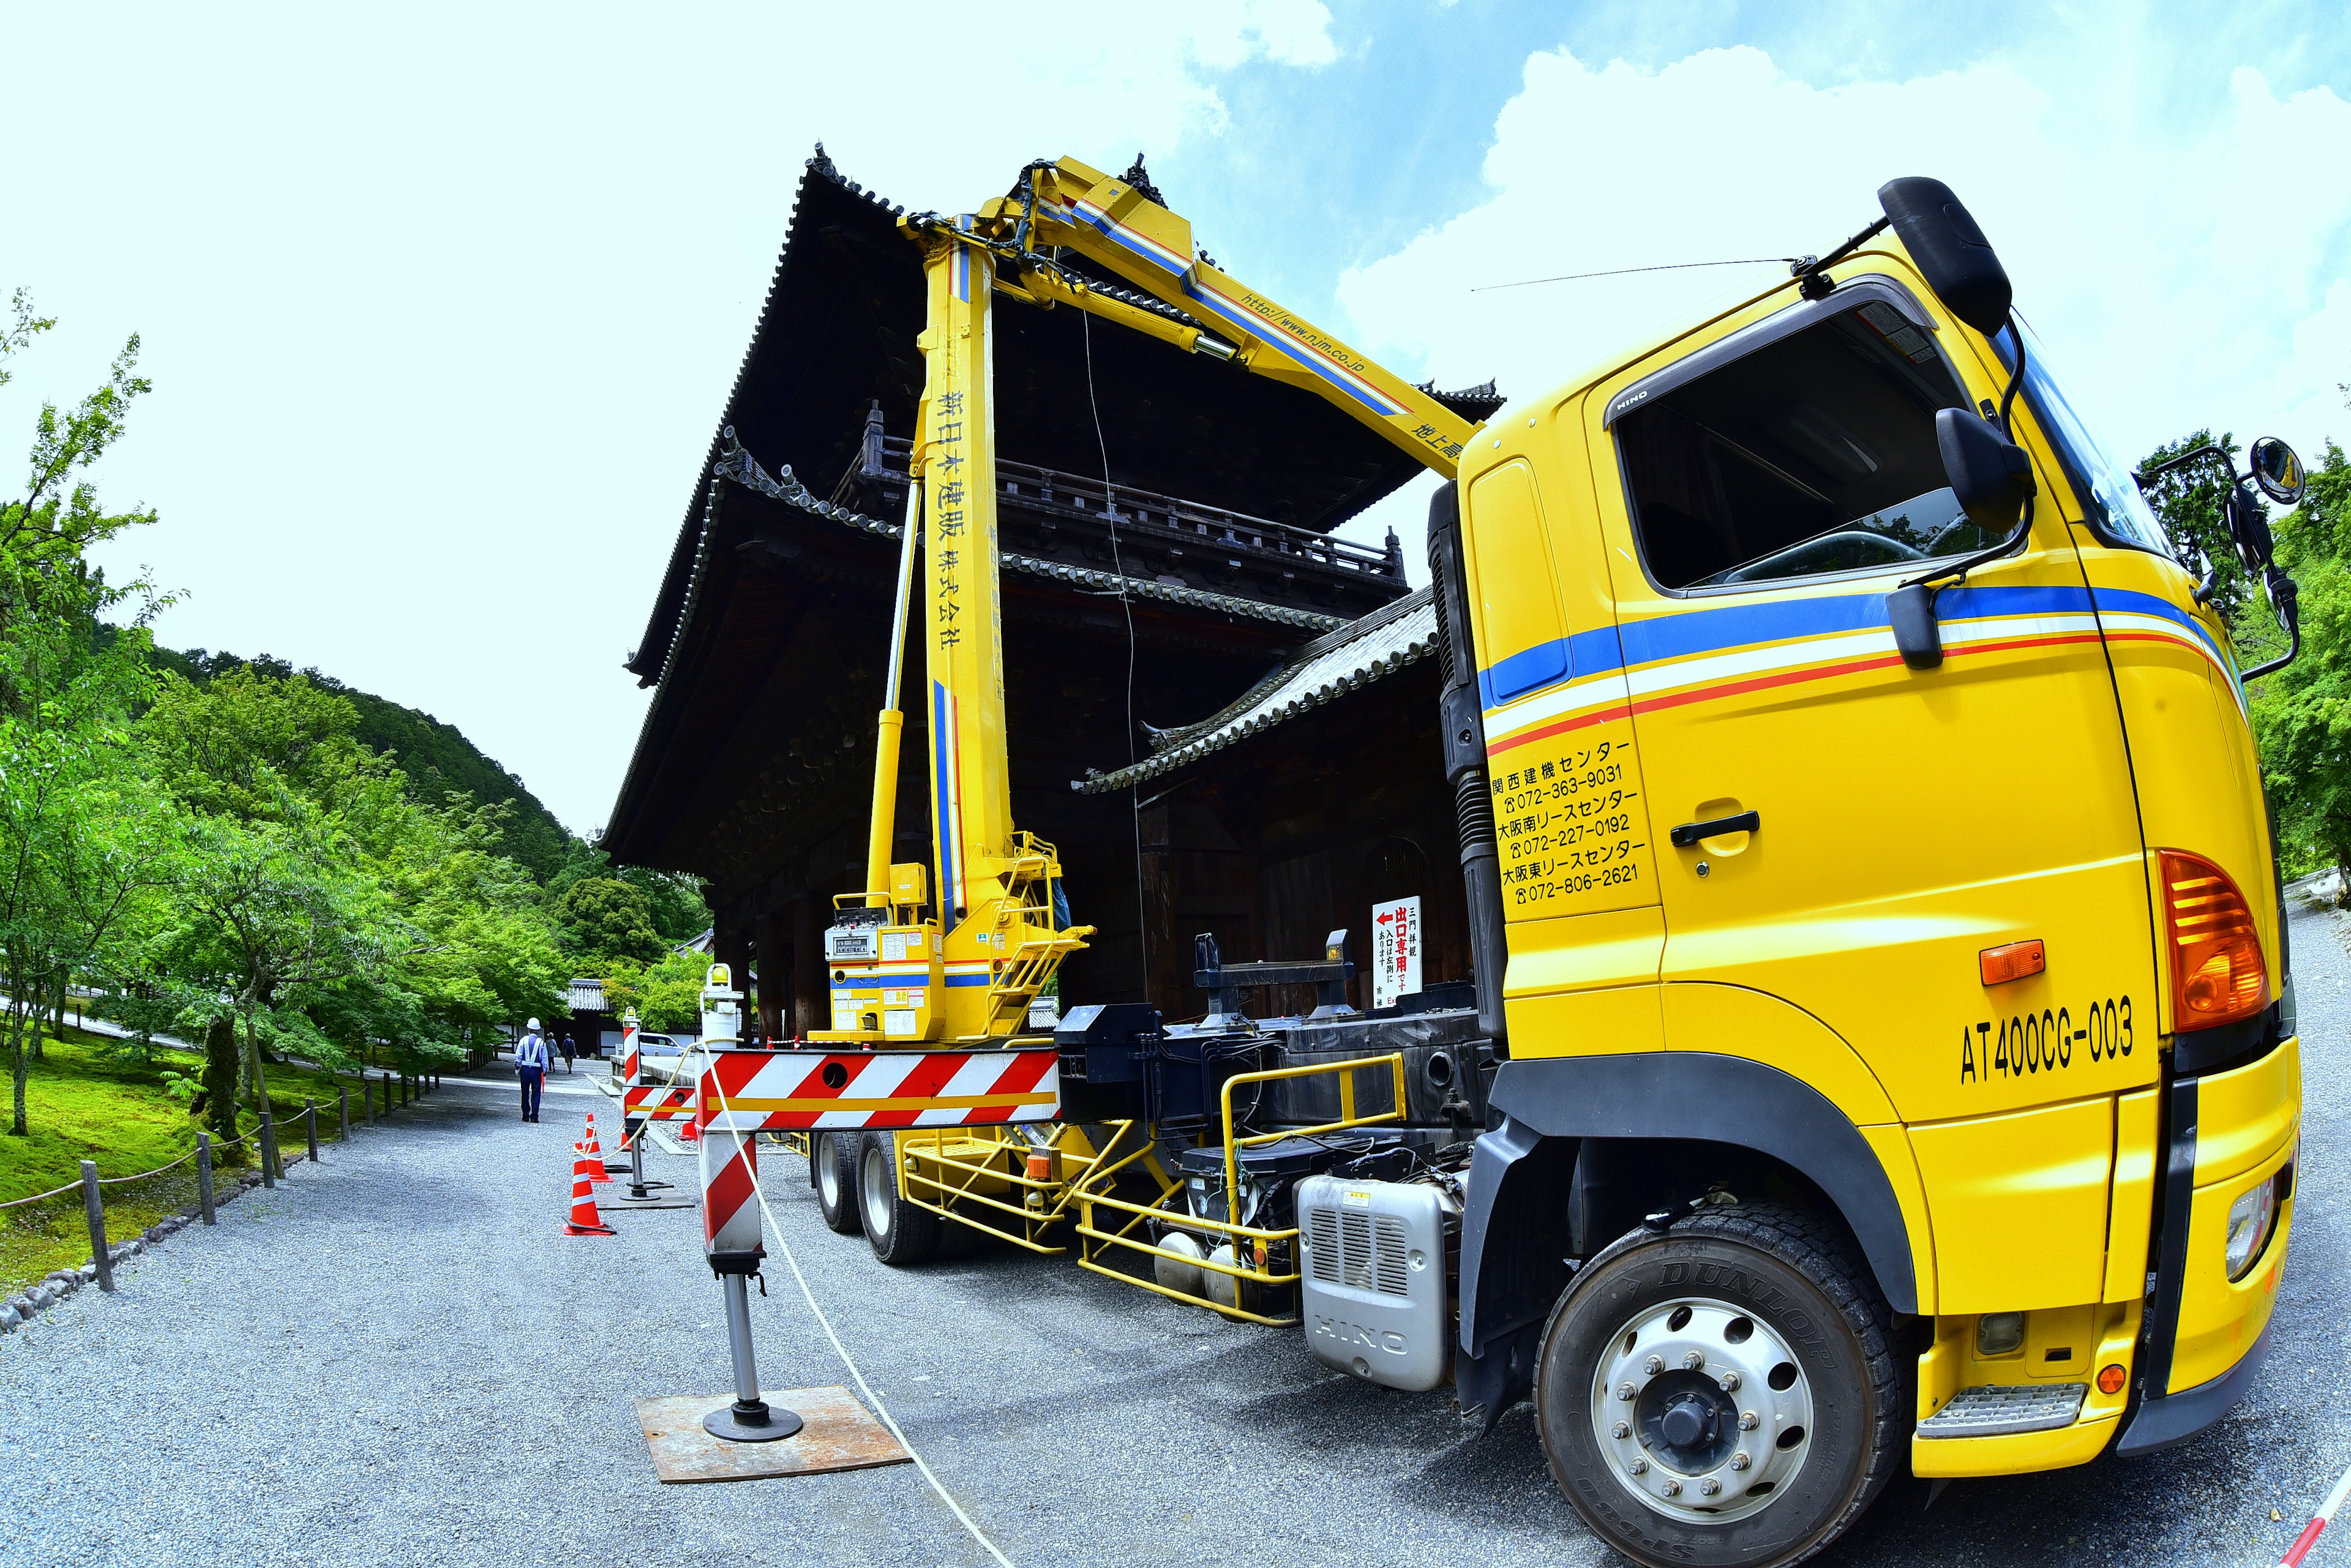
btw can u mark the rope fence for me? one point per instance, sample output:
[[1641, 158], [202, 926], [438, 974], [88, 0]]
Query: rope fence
[[208, 1147]]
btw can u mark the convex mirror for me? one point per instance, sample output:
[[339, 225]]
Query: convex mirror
[[2277, 470]]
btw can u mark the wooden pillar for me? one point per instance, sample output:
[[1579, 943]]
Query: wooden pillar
[[730, 944], [812, 988], [775, 978]]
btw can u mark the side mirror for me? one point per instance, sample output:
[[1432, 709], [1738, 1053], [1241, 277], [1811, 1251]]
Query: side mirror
[[1990, 474], [2277, 470], [1959, 263]]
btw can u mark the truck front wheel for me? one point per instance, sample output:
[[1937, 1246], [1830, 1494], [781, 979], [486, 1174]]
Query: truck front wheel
[[1722, 1392]]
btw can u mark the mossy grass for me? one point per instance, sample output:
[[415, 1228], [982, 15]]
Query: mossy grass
[[84, 1102]]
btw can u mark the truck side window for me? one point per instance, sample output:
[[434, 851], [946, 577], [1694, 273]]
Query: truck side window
[[1815, 454], [1525, 643]]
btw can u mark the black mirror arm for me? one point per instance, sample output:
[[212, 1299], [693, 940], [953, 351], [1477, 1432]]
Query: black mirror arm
[[2285, 599], [2144, 476], [1811, 271], [1949, 572]]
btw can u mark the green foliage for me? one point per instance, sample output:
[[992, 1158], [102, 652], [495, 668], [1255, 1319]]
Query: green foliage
[[227, 851], [667, 995], [605, 919], [2301, 715], [182, 1086], [435, 759], [2188, 502]]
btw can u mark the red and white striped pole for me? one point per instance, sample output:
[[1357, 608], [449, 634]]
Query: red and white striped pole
[[2309, 1536], [732, 1240]]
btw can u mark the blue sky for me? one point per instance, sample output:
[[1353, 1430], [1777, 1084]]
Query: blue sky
[[441, 305]]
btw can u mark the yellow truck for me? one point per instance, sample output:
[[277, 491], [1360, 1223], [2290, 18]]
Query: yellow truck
[[1885, 1047]]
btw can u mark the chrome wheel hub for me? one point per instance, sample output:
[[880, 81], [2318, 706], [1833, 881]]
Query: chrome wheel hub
[[828, 1170], [1701, 1410], [880, 1183]]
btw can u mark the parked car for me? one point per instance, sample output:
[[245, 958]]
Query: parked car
[[659, 1057]]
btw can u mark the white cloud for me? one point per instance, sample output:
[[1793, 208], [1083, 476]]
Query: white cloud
[[440, 308], [2181, 259]]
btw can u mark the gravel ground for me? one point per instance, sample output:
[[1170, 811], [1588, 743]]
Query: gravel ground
[[393, 1358]]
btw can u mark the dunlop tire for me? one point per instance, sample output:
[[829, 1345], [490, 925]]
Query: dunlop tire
[[901, 1233], [834, 1155], [1796, 1270]]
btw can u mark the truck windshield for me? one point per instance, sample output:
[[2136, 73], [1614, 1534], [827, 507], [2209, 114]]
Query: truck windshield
[[1814, 453], [2111, 503]]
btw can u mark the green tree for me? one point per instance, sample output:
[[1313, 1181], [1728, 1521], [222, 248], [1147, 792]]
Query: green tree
[[605, 919], [2189, 502], [80, 834], [2301, 715], [667, 995]]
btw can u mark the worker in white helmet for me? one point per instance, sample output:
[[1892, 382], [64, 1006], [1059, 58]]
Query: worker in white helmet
[[530, 1066]]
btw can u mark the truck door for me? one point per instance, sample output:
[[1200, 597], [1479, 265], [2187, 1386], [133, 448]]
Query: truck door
[[1878, 834]]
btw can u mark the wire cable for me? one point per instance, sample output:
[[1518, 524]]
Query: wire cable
[[1110, 512], [1622, 271]]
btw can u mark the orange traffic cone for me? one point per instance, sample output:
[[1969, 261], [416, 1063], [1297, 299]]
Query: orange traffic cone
[[585, 1220], [594, 1150]]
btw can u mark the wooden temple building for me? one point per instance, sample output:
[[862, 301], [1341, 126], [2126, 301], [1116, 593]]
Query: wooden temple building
[[1224, 717]]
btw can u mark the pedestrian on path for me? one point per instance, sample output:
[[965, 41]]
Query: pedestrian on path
[[567, 1049], [530, 1066]]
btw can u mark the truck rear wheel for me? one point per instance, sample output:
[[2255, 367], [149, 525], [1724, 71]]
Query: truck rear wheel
[[832, 1165], [1722, 1392], [901, 1233]]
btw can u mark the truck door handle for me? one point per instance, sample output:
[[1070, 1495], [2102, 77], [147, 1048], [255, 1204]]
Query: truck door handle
[[1689, 833]]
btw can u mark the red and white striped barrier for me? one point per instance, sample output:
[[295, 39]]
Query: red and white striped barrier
[[730, 1196], [2309, 1536], [658, 1103], [752, 1091]]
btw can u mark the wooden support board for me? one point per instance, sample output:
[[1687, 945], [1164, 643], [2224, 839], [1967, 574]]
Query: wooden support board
[[840, 1435]]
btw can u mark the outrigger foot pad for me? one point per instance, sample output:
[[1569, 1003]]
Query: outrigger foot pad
[[751, 1421]]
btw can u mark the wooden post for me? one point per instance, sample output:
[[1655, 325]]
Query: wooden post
[[268, 1146], [343, 1110], [96, 1207], [205, 1176], [310, 1125]]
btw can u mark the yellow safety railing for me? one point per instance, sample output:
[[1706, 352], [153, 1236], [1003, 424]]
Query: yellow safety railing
[[1254, 1242], [1044, 1201]]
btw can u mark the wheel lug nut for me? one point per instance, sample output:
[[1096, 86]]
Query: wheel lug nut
[[1694, 1360], [1740, 1461], [1730, 1383], [1639, 1467], [1654, 1365], [1621, 1431], [1673, 1488], [1709, 1485], [1626, 1391], [1748, 1421]]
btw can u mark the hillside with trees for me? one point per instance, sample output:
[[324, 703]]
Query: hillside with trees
[[434, 758]]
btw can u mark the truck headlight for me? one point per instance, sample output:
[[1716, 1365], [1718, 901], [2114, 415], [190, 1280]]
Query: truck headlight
[[2251, 1219]]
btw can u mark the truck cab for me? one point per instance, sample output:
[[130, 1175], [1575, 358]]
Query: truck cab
[[1900, 1047]]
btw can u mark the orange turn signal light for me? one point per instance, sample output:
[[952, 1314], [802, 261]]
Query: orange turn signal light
[[2013, 961], [2111, 1379], [2218, 975], [1041, 1166]]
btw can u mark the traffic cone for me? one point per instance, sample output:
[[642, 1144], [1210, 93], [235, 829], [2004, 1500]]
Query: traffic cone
[[585, 1220], [594, 1150]]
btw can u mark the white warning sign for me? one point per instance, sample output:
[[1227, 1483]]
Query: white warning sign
[[1396, 951]]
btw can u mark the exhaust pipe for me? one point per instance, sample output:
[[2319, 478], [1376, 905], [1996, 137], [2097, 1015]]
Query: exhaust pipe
[[1462, 720]]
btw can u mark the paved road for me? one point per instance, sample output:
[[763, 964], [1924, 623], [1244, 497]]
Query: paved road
[[394, 1359]]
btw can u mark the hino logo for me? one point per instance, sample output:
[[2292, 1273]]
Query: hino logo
[[1355, 1336]]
